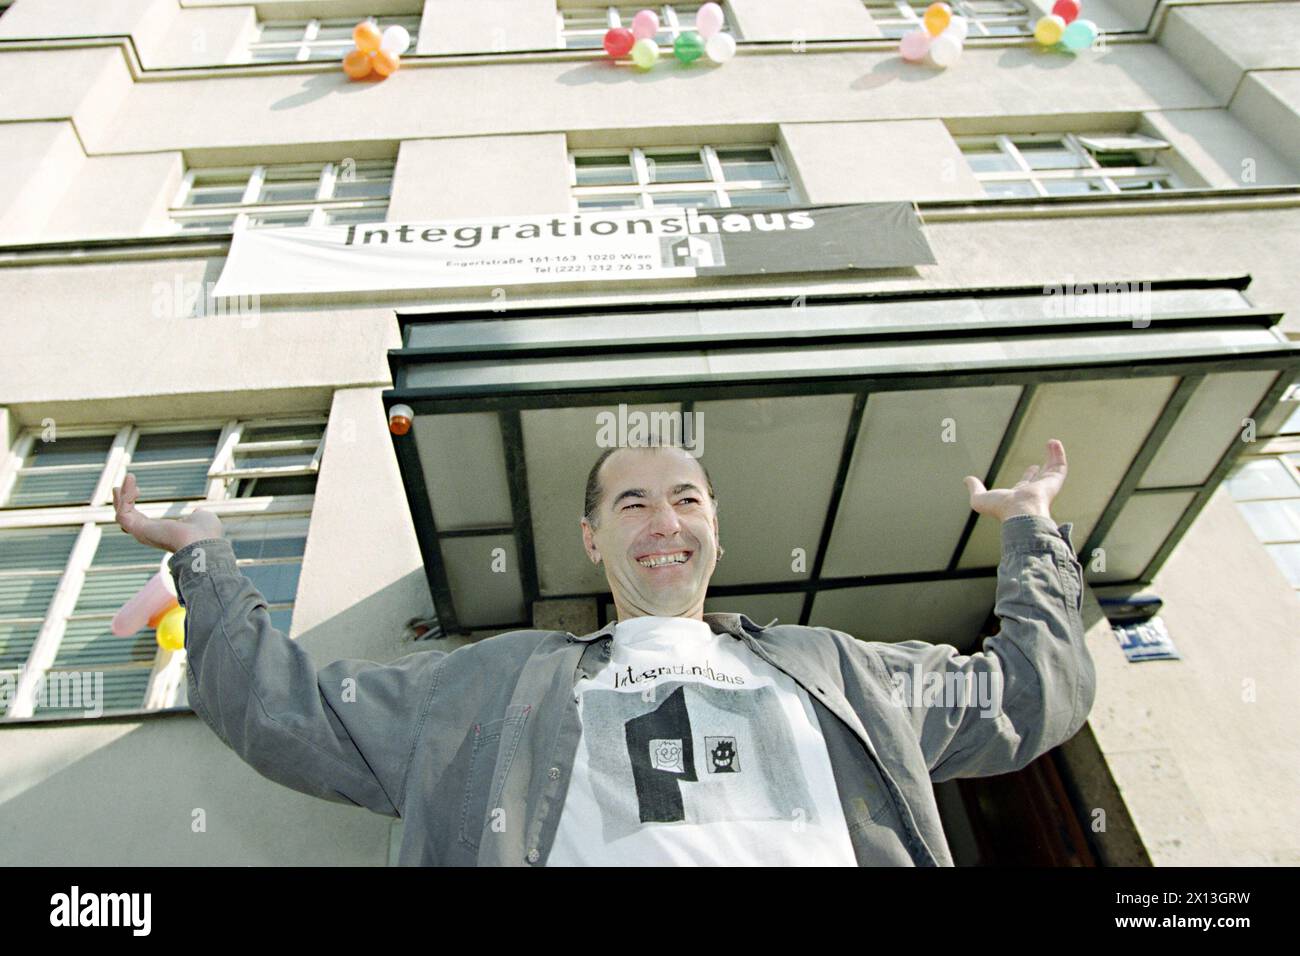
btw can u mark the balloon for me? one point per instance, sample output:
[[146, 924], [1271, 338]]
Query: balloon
[[159, 615], [367, 37], [937, 17], [144, 604], [357, 64], [1079, 35], [1067, 10], [944, 50], [385, 63], [914, 45], [618, 42], [396, 40], [645, 24], [958, 28], [644, 53], [720, 47], [688, 47], [708, 20], [171, 630], [1048, 29]]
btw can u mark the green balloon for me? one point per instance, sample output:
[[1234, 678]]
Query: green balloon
[[644, 53], [689, 46], [1079, 35]]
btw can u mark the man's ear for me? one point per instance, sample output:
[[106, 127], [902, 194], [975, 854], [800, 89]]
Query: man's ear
[[589, 542]]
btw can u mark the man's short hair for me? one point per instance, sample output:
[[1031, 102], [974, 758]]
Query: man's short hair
[[591, 503]]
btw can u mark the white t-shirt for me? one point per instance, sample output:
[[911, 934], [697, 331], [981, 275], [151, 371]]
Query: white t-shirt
[[695, 751]]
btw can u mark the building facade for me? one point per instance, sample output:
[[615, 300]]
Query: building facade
[[143, 138]]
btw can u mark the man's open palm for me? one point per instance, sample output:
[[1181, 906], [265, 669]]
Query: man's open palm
[[169, 534], [1032, 494]]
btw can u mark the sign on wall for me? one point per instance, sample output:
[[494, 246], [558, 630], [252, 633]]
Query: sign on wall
[[639, 244]]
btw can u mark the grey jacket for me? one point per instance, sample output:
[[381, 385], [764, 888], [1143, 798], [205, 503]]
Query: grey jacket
[[473, 748]]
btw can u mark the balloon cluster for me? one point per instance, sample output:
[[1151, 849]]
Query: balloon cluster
[[154, 605], [376, 52], [938, 42], [705, 40], [1062, 27]]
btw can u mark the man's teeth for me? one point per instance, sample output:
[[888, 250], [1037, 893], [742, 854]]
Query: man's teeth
[[662, 559]]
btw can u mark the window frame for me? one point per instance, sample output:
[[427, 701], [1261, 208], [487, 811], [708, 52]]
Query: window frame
[[1107, 176], [906, 17], [1284, 449], [249, 207], [309, 41], [644, 190], [670, 21], [89, 521]]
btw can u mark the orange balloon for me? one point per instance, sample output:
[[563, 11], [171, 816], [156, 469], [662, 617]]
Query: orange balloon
[[154, 619], [937, 17], [386, 63], [357, 64], [367, 37]]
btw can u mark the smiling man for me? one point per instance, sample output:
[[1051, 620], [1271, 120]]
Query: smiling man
[[661, 541], [669, 736], [694, 749]]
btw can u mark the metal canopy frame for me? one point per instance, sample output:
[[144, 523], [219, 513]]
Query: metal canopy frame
[[509, 402]]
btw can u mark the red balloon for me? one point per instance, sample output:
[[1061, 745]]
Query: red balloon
[[618, 41], [1067, 10]]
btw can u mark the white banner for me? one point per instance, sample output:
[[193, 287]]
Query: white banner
[[661, 243]]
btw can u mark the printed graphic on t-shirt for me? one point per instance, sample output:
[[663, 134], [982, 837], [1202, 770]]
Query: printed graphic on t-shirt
[[691, 752]]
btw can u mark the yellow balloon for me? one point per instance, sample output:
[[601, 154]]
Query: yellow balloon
[[644, 52], [171, 630], [1048, 29], [937, 18]]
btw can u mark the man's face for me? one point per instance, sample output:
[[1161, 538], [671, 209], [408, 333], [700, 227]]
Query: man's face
[[654, 507]]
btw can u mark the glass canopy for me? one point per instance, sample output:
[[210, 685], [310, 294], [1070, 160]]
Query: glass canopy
[[837, 434]]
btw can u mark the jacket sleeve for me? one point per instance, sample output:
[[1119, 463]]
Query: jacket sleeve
[[1032, 685], [345, 732]]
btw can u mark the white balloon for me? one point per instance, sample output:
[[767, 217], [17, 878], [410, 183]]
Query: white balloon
[[720, 47], [958, 27], [944, 50], [395, 40]]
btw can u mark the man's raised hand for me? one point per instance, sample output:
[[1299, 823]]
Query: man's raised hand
[[168, 534], [1031, 495]]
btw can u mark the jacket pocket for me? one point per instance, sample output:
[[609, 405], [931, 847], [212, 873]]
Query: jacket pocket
[[873, 806], [492, 752]]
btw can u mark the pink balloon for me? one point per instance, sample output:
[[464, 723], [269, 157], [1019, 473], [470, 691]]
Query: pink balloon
[[150, 599], [645, 24], [708, 20], [915, 45], [1067, 10]]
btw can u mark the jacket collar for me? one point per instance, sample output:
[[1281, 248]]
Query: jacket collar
[[733, 624]]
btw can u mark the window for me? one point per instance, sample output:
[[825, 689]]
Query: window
[[66, 568], [1266, 488], [264, 197], [584, 28], [985, 18], [1067, 164], [698, 176], [280, 41]]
